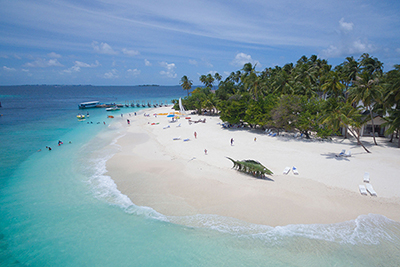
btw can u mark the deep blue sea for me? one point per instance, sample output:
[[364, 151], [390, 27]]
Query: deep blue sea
[[59, 207]]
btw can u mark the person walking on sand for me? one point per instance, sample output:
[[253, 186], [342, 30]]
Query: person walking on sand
[[205, 151], [231, 141], [128, 121], [195, 135]]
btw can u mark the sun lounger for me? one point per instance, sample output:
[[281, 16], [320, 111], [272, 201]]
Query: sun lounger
[[177, 138], [341, 153], [179, 125], [286, 170], [370, 189], [166, 127], [363, 190], [274, 135], [187, 139], [366, 177], [348, 154], [295, 170]]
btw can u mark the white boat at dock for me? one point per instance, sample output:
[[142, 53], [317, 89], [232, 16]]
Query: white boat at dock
[[90, 104]]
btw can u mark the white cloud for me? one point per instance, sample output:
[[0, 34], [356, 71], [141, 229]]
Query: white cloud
[[130, 53], [113, 74], [348, 48], [86, 65], [42, 63], [53, 55], [133, 72], [78, 65], [170, 70], [242, 58], [103, 48], [25, 70], [147, 63], [192, 62], [347, 44], [346, 26], [8, 69]]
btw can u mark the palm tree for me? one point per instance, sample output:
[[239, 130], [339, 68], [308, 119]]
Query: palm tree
[[207, 80], [217, 77], [392, 101], [367, 91], [186, 83], [333, 87], [252, 84], [339, 114]]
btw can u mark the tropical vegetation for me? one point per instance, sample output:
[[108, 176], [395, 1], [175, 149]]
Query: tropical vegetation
[[310, 97]]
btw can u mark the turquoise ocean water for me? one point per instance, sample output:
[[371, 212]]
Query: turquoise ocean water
[[59, 207]]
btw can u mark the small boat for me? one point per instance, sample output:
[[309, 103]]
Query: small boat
[[111, 117], [112, 108], [80, 116]]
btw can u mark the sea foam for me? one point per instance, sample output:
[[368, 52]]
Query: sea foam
[[103, 186]]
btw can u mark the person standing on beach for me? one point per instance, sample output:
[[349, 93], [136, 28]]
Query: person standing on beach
[[195, 135], [128, 121], [231, 141], [205, 151]]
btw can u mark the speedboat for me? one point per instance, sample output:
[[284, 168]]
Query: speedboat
[[112, 108], [80, 116]]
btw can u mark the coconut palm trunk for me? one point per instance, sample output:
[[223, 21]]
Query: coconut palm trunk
[[372, 123]]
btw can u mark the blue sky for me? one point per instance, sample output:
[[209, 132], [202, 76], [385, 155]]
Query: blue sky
[[131, 42]]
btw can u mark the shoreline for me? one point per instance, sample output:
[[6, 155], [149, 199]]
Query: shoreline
[[177, 178]]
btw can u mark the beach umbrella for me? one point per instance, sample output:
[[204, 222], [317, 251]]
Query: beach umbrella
[[171, 115]]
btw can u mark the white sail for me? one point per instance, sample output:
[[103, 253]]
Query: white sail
[[181, 108]]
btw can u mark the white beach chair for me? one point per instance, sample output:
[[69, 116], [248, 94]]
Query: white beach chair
[[286, 170], [177, 138], [371, 190], [179, 125], [366, 177], [166, 127], [341, 153], [185, 140], [348, 154], [363, 190], [295, 170]]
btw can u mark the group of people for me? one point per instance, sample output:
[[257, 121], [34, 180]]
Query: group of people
[[59, 144]]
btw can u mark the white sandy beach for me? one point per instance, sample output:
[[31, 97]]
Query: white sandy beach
[[177, 178]]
